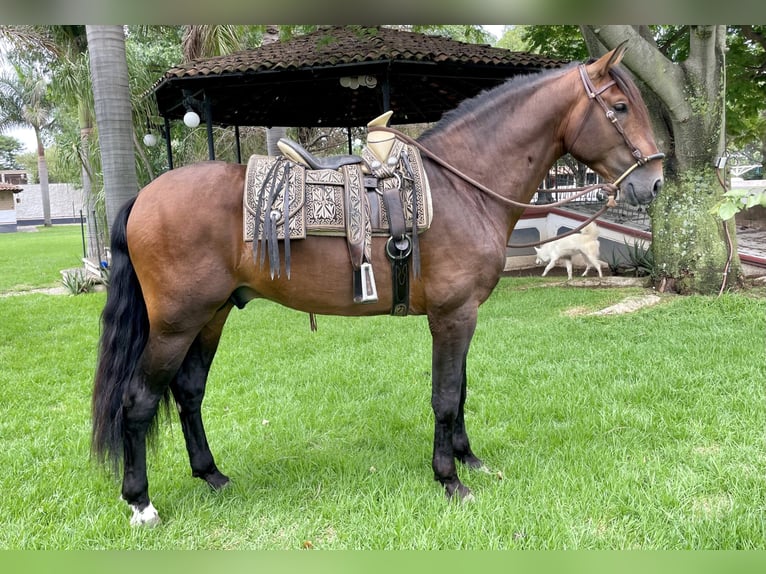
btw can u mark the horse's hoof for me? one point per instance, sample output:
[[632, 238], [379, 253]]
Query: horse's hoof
[[473, 462], [217, 480], [146, 517], [465, 494], [477, 465], [461, 494]]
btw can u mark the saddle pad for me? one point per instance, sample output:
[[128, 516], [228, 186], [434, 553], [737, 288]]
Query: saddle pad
[[332, 202]]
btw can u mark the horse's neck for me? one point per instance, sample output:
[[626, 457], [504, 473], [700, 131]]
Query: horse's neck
[[509, 152]]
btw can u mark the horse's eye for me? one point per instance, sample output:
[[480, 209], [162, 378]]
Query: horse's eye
[[621, 107]]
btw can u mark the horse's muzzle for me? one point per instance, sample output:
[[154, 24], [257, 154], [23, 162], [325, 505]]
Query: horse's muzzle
[[637, 194], [642, 181]]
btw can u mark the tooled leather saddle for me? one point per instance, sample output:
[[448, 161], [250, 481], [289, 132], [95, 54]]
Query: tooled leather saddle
[[381, 192]]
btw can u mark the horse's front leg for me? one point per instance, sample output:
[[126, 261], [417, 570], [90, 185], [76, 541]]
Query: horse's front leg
[[461, 446], [452, 335]]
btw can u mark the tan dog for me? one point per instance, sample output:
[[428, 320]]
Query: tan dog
[[585, 243]]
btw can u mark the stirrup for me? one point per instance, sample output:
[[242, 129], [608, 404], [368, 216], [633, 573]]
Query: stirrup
[[364, 284]]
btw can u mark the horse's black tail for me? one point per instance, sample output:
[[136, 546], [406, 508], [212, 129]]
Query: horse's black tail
[[124, 330]]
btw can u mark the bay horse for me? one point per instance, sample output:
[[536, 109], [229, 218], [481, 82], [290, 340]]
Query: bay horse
[[180, 264]]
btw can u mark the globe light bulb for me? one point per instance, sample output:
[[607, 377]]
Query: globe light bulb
[[191, 119]]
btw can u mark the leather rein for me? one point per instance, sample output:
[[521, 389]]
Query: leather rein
[[609, 188]]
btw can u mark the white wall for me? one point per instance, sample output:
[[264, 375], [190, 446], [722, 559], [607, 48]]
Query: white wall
[[65, 200]]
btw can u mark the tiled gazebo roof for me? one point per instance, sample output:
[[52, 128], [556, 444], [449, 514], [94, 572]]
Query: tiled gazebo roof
[[10, 187], [297, 82]]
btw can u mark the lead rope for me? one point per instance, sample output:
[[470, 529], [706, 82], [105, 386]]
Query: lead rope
[[577, 229], [729, 246], [609, 188]]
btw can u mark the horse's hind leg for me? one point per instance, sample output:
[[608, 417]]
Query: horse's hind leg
[[189, 390], [158, 365]]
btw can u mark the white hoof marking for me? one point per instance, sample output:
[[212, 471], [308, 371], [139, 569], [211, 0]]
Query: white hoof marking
[[148, 516]]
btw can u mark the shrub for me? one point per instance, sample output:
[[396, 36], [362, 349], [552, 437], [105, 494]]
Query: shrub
[[77, 281], [639, 262]]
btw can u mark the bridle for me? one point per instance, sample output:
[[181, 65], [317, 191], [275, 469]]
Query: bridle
[[595, 95], [610, 189]]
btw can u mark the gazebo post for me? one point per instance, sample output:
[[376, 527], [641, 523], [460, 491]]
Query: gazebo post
[[386, 93], [237, 148], [168, 148], [209, 124]]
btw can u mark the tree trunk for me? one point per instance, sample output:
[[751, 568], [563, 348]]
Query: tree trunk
[[111, 94], [88, 197], [42, 174], [689, 244], [763, 140]]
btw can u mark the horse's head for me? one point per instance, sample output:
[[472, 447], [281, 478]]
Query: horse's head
[[610, 130]]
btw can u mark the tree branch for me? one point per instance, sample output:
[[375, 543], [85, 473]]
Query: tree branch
[[645, 60], [753, 35]]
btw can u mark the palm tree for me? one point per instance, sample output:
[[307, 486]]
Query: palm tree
[[68, 47], [111, 96], [204, 41], [24, 103], [73, 87]]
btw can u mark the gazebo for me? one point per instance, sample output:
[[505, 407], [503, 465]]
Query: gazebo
[[340, 76]]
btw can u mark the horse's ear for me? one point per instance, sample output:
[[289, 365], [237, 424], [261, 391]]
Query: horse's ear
[[600, 68]]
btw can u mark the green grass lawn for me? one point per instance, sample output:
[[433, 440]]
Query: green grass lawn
[[602, 432], [34, 259]]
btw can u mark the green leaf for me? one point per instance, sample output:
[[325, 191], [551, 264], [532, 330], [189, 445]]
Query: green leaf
[[753, 199], [727, 211]]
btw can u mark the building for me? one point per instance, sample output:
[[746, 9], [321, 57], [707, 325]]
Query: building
[[8, 197]]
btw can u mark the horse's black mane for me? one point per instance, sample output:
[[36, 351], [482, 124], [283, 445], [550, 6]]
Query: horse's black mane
[[517, 83], [470, 105]]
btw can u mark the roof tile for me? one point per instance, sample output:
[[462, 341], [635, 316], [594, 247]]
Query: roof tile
[[348, 44]]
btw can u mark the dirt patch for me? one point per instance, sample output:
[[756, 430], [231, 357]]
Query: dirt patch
[[47, 291], [576, 311], [609, 281], [629, 305]]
